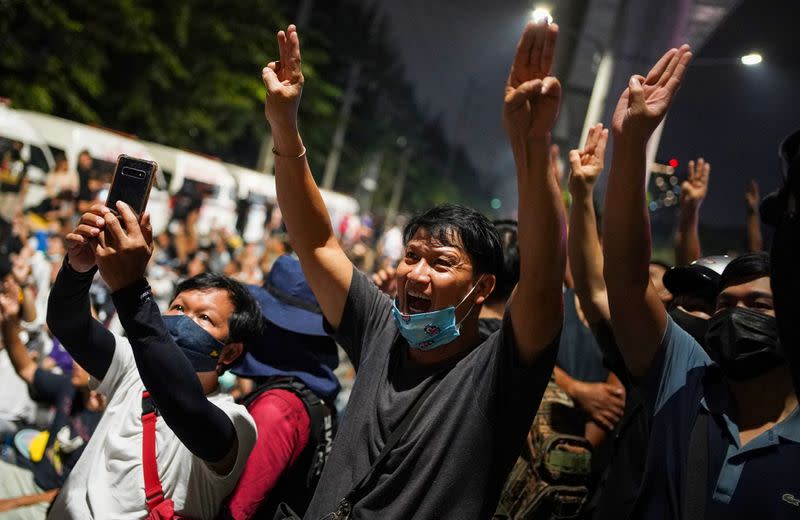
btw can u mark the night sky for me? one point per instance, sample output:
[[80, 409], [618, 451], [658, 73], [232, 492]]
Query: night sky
[[735, 116], [457, 54]]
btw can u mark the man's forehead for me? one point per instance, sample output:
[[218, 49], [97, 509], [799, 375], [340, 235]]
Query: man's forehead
[[446, 238], [211, 296], [759, 286]]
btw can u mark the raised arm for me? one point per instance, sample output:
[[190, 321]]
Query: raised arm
[[693, 192], [122, 256], [583, 244], [21, 272], [638, 317], [755, 241], [69, 316], [532, 99], [9, 329], [325, 265]]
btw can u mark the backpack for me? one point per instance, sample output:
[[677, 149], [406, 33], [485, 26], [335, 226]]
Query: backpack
[[296, 487], [551, 477]]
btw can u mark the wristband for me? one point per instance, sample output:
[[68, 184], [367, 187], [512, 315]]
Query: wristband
[[276, 154]]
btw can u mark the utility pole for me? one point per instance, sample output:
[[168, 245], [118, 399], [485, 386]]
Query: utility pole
[[369, 181], [456, 140], [399, 182], [266, 159], [335, 154]]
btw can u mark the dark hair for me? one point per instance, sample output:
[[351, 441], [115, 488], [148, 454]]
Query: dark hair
[[463, 227], [245, 324], [508, 277], [5, 266], [743, 268]]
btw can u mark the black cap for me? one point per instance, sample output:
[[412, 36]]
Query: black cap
[[700, 277]]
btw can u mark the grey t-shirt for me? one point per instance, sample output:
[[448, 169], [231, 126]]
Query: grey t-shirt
[[454, 458]]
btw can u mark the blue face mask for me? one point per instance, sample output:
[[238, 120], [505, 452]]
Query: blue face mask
[[201, 348], [431, 330]]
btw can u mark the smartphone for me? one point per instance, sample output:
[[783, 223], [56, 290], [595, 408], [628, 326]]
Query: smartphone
[[131, 183]]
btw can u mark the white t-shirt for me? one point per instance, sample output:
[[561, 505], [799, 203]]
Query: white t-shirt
[[107, 482], [15, 402]]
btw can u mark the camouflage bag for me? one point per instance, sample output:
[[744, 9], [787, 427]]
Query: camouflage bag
[[550, 478]]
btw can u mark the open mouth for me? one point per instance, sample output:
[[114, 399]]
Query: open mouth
[[417, 302]]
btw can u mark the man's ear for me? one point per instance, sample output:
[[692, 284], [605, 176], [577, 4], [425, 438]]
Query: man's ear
[[231, 353], [484, 288]]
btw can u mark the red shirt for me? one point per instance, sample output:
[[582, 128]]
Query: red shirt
[[283, 430]]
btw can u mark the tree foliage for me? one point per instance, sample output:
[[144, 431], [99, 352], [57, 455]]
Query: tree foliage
[[187, 73]]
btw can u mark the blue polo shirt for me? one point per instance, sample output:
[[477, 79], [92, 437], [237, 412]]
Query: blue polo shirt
[[758, 480]]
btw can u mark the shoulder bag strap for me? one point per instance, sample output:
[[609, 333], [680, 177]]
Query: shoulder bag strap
[[358, 492], [154, 494], [697, 470]]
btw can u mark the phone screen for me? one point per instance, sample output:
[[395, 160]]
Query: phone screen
[[131, 184]]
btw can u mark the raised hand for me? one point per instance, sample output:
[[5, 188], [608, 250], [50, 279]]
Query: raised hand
[[386, 281], [587, 164], [532, 96], [21, 269], [695, 187], [123, 253], [752, 196], [284, 82], [9, 301], [80, 243], [644, 103]]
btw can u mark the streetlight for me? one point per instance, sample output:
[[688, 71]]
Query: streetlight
[[541, 14], [751, 59]]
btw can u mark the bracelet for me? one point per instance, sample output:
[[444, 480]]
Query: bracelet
[[276, 154]]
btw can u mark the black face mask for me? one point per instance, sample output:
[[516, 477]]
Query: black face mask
[[744, 342], [696, 327]]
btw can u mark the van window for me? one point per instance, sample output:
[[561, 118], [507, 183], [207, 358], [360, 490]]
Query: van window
[[38, 159]]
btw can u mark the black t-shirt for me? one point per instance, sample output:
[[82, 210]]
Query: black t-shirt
[[84, 176], [70, 430], [616, 495], [455, 456], [579, 354], [488, 326]]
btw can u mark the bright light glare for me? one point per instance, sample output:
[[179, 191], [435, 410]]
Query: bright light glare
[[751, 59], [541, 14]]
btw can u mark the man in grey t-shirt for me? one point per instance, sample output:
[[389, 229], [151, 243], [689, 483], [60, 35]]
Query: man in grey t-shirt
[[453, 458]]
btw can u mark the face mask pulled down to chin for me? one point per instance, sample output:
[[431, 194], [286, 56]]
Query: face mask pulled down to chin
[[431, 330], [744, 342]]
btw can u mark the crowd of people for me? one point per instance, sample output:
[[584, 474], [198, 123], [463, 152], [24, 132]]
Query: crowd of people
[[441, 366]]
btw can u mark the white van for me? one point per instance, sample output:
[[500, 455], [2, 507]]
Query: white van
[[205, 179], [35, 152], [339, 206], [104, 146], [257, 190]]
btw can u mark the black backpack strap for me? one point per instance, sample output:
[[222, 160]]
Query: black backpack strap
[[322, 420], [697, 470]]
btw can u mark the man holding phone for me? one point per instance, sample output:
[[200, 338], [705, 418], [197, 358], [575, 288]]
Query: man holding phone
[[176, 358]]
